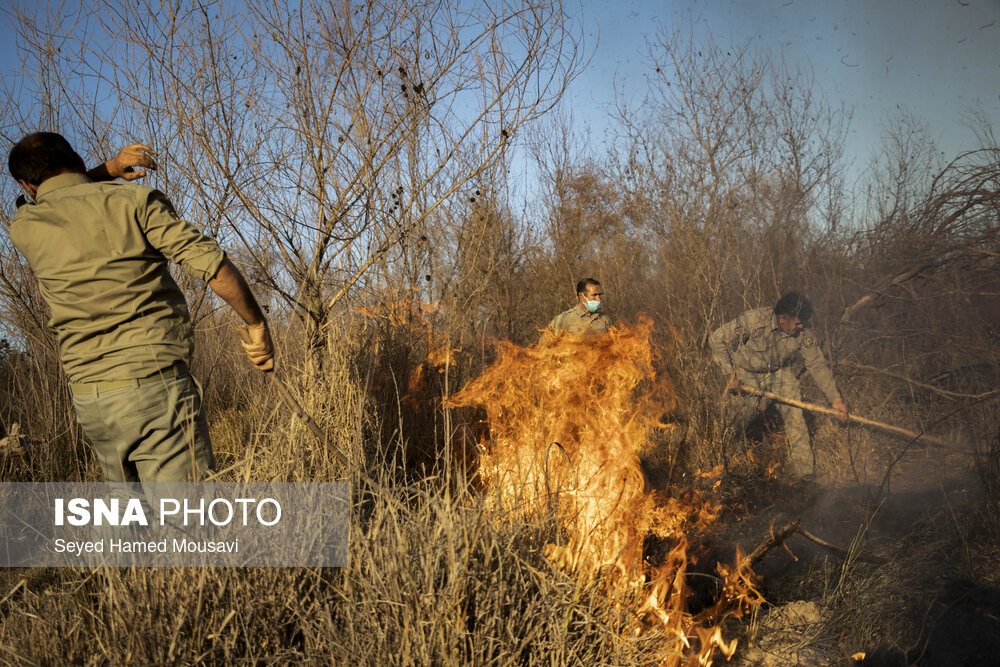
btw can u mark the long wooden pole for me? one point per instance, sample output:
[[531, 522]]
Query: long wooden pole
[[822, 409]]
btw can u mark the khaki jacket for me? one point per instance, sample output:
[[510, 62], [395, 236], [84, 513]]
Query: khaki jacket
[[100, 254], [753, 343], [577, 320]]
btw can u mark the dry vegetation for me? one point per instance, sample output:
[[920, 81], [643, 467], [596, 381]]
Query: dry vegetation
[[353, 159]]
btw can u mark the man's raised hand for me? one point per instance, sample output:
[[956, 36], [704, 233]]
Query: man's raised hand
[[131, 162]]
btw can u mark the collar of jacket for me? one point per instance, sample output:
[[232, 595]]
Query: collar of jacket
[[59, 182]]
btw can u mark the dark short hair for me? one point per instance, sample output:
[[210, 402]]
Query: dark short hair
[[794, 304], [585, 283], [42, 155]]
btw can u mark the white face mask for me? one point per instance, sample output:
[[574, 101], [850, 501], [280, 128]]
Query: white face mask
[[593, 306]]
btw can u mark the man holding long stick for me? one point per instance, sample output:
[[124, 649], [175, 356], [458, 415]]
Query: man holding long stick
[[756, 350], [100, 254]]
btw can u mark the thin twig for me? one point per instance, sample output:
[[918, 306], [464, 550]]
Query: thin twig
[[841, 550]]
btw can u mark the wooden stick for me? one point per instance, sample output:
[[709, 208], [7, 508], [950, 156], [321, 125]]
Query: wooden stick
[[776, 539], [770, 542], [822, 409], [841, 550]]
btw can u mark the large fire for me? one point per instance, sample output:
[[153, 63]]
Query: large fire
[[568, 420]]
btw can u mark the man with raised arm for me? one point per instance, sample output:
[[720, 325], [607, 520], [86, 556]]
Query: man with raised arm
[[757, 349], [100, 252]]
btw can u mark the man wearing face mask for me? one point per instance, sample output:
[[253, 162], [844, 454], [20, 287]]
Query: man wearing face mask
[[586, 317], [757, 349]]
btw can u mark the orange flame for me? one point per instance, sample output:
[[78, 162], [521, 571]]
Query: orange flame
[[403, 307], [568, 420]]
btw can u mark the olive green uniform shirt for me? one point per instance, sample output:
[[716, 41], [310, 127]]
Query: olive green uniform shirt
[[99, 252], [754, 343], [577, 320]]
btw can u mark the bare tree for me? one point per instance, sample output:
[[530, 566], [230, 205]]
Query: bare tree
[[923, 304], [316, 135], [725, 164]]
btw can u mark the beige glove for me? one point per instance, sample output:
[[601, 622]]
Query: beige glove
[[258, 346]]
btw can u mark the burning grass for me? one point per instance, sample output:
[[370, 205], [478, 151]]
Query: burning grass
[[433, 579], [568, 421], [545, 567]]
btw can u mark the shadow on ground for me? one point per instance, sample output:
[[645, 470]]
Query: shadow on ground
[[915, 584]]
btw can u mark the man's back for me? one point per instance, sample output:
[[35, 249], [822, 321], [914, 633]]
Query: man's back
[[99, 251]]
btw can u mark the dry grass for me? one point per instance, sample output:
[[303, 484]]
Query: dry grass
[[434, 577], [436, 583], [731, 194]]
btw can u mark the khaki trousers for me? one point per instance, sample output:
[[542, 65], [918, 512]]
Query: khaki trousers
[[738, 411], [152, 431]]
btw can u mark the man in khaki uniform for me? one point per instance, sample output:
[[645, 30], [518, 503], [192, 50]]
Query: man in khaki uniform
[[757, 349], [100, 254], [585, 318]]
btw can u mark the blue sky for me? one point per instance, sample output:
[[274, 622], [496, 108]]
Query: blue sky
[[935, 59]]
